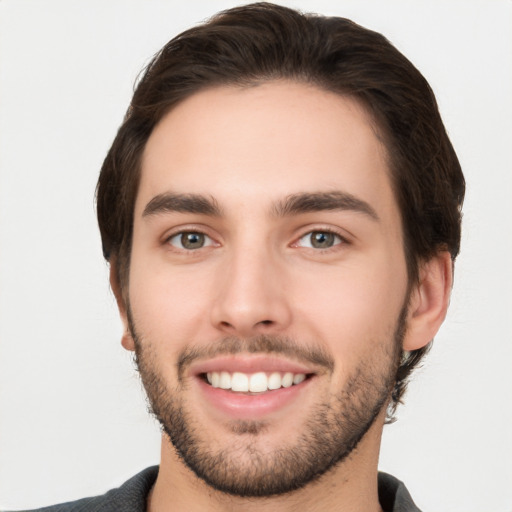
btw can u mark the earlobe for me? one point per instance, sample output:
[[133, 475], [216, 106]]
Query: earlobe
[[429, 301], [126, 339]]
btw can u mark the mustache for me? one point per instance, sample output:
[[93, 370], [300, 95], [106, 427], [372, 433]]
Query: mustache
[[262, 344]]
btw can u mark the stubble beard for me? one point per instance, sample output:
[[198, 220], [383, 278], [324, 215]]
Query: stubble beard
[[331, 433]]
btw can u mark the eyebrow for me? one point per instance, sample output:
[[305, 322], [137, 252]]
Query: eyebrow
[[184, 203], [295, 204], [321, 201]]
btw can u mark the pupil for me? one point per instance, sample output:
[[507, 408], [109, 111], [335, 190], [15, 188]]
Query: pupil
[[192, 240], [322, 240]]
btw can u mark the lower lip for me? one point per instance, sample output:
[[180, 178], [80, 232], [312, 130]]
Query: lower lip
[[246, 406]]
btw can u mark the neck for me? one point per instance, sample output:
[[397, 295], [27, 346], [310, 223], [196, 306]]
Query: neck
[[350, 486]]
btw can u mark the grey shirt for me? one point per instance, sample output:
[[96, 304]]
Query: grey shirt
[[132, 496]]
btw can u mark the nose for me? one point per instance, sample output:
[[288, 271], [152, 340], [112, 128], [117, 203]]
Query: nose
[[251, 298]]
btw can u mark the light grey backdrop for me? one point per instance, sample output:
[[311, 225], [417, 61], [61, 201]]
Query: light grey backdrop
[[73, 419]]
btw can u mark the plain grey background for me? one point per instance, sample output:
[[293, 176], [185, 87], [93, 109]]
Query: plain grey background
[[73, 419]]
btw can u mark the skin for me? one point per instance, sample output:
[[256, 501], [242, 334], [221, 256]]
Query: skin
[[250, 149]]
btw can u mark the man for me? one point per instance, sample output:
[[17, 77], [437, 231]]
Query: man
[[281, 213]]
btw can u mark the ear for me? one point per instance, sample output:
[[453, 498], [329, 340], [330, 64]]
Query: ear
[[429, 301], [126, 339]]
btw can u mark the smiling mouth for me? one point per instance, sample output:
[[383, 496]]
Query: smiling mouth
[[260, 382]]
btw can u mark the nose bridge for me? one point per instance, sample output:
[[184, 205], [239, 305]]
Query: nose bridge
[[251, 299]]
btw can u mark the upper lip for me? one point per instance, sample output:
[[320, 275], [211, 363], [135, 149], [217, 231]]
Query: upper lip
[[249, 364]]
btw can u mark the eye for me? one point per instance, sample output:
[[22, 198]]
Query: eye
[[190, 240], [319, 240]]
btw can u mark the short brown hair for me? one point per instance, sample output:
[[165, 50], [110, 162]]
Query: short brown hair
[[264, 42]]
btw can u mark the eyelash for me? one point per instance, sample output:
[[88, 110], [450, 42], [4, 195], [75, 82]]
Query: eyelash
[[183, 232], [341, 240]]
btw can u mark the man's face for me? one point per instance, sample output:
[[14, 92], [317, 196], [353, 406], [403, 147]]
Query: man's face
[[267, 285]]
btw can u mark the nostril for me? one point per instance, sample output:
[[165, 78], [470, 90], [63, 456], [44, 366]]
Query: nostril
[[246, 329]]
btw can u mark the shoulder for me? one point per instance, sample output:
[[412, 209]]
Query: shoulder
[[394, 496], [130, 497]]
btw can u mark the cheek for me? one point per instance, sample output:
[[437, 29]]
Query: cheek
[[168, 306], [350, 308]]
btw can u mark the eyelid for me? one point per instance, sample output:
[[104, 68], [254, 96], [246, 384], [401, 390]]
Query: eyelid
[[208, 240], [343, 238], [180, 230]]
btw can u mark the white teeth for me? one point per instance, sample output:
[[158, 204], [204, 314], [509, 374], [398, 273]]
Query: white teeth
[[225, 380], [274, 381], [258, 382], [298, 378], [287, 380], [255, 383], [240, 382]]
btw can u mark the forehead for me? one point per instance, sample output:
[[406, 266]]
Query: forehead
[[263, 143]]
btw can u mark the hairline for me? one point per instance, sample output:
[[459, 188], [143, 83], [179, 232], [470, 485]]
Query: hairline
[[377, 125]]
